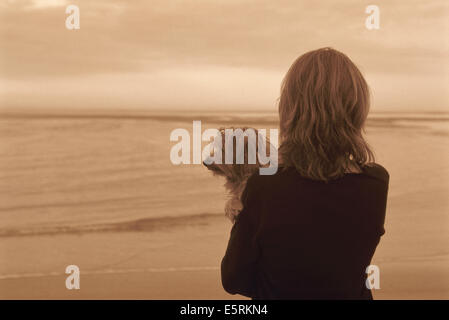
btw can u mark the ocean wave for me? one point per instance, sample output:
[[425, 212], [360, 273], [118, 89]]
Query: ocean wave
[[139, 225], [212, 117], [109, 271]]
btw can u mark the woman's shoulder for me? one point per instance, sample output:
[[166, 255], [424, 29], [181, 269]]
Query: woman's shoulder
[[285, 174], [376, 171], [259, 181]]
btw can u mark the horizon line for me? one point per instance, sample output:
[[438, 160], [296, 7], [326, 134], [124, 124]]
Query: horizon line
[[111, 111]]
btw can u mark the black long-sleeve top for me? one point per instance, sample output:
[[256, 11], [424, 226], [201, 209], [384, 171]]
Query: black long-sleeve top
[[298, 238]]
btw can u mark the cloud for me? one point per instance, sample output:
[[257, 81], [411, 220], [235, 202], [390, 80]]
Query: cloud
[[196, 87], [119, 36], [37, 4], [152, 38]]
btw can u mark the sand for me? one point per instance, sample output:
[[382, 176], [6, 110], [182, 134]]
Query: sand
[[184, 264]]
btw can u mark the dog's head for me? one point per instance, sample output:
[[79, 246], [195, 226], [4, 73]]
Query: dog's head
[[236, 172]]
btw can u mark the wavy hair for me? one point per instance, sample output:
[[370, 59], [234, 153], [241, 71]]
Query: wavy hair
[[323, 106]]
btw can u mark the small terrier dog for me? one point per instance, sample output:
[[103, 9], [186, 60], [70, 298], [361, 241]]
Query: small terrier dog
[[236, 174]]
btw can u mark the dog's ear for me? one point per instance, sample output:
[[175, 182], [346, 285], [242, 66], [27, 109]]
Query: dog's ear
[[229, 171]]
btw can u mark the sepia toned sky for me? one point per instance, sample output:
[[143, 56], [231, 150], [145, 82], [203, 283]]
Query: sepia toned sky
[[214, 54]]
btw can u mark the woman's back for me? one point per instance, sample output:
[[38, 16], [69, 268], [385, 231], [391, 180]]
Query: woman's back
[[310, 230], [299, 238]]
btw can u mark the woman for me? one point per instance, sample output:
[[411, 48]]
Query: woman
[[310, 230]]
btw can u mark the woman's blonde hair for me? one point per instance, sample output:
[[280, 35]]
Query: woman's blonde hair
[[323, 106]]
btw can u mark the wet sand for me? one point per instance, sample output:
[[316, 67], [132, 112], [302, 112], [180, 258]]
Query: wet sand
[[181, 263]]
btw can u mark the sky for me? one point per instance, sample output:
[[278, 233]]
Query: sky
[[214, 54]]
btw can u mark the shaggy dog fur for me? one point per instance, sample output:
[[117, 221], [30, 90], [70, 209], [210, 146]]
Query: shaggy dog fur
[[236, 175]]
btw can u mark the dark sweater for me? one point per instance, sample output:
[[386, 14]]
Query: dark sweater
[[298, 238]]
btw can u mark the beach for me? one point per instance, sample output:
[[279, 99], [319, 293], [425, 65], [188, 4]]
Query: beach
[[99, 191], [181, 263]]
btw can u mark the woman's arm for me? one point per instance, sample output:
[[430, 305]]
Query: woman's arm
[[238, 269]]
